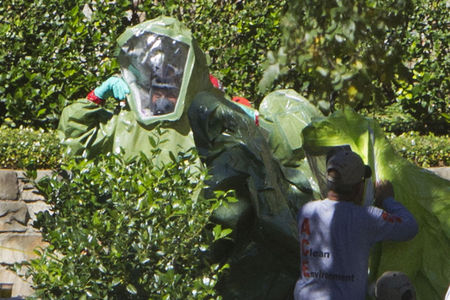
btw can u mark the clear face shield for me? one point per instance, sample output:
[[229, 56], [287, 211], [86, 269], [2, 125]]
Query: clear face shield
[[153, 67]]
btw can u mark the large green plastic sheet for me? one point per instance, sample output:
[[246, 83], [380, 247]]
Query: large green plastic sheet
[[425, 259]]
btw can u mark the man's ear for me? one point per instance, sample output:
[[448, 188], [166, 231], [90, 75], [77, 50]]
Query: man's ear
[[333, 175]]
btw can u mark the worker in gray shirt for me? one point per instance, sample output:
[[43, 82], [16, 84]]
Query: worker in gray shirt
[[336, 233]]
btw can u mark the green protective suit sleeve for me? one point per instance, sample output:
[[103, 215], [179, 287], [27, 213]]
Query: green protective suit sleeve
[[265, 255], [88, 130], [425, 258], [85, 128]]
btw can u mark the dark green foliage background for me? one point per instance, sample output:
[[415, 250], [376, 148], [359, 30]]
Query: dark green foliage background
[[371, 55], [50, 53], [126, 230], [425, 93]]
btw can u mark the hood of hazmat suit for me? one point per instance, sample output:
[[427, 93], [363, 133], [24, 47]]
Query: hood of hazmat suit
[[164, 69], [425, 258]]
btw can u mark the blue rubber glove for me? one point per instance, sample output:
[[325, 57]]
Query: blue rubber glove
[[112, 87]]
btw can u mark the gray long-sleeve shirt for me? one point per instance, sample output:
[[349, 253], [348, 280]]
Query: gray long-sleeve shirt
[[336, 238]]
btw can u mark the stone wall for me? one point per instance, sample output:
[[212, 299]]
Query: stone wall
[[19, 205]]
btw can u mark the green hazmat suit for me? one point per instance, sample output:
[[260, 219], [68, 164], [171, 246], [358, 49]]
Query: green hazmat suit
[[263, 253], [425, 258]]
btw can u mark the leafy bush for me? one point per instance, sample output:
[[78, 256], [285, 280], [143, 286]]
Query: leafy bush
[[55, 51], [394, 120], [425, 92], [29, 148], [360, 53], [126, 230], [425, 151], [411, 140]]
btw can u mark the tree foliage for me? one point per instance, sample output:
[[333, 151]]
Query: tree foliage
[[425, 93], [346, 47], [366, 54], [126, 230]]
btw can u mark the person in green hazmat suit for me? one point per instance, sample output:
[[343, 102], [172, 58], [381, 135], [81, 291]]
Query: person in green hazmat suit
[[165, 81]]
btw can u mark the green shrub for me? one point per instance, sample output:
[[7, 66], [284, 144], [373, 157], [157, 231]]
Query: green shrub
[[23, 147], [126, 230], [368, 54], [394, 120], [423, 150]]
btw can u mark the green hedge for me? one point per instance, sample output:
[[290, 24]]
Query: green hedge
[[22, 148], [423, 150], [54, 51], [126, 230], [26, 147]]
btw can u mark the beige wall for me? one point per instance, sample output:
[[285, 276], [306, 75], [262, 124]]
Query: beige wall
[[18, 207]]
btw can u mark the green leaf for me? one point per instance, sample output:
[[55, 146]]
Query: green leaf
[[131, 289], [41, 112]]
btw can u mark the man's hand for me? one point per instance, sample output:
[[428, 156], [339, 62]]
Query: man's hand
[[383, 190], [112, 87]]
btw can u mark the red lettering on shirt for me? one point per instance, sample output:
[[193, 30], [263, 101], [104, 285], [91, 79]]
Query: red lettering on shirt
[[390, 218], [305, 269], [305, 227], [305, 243]]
